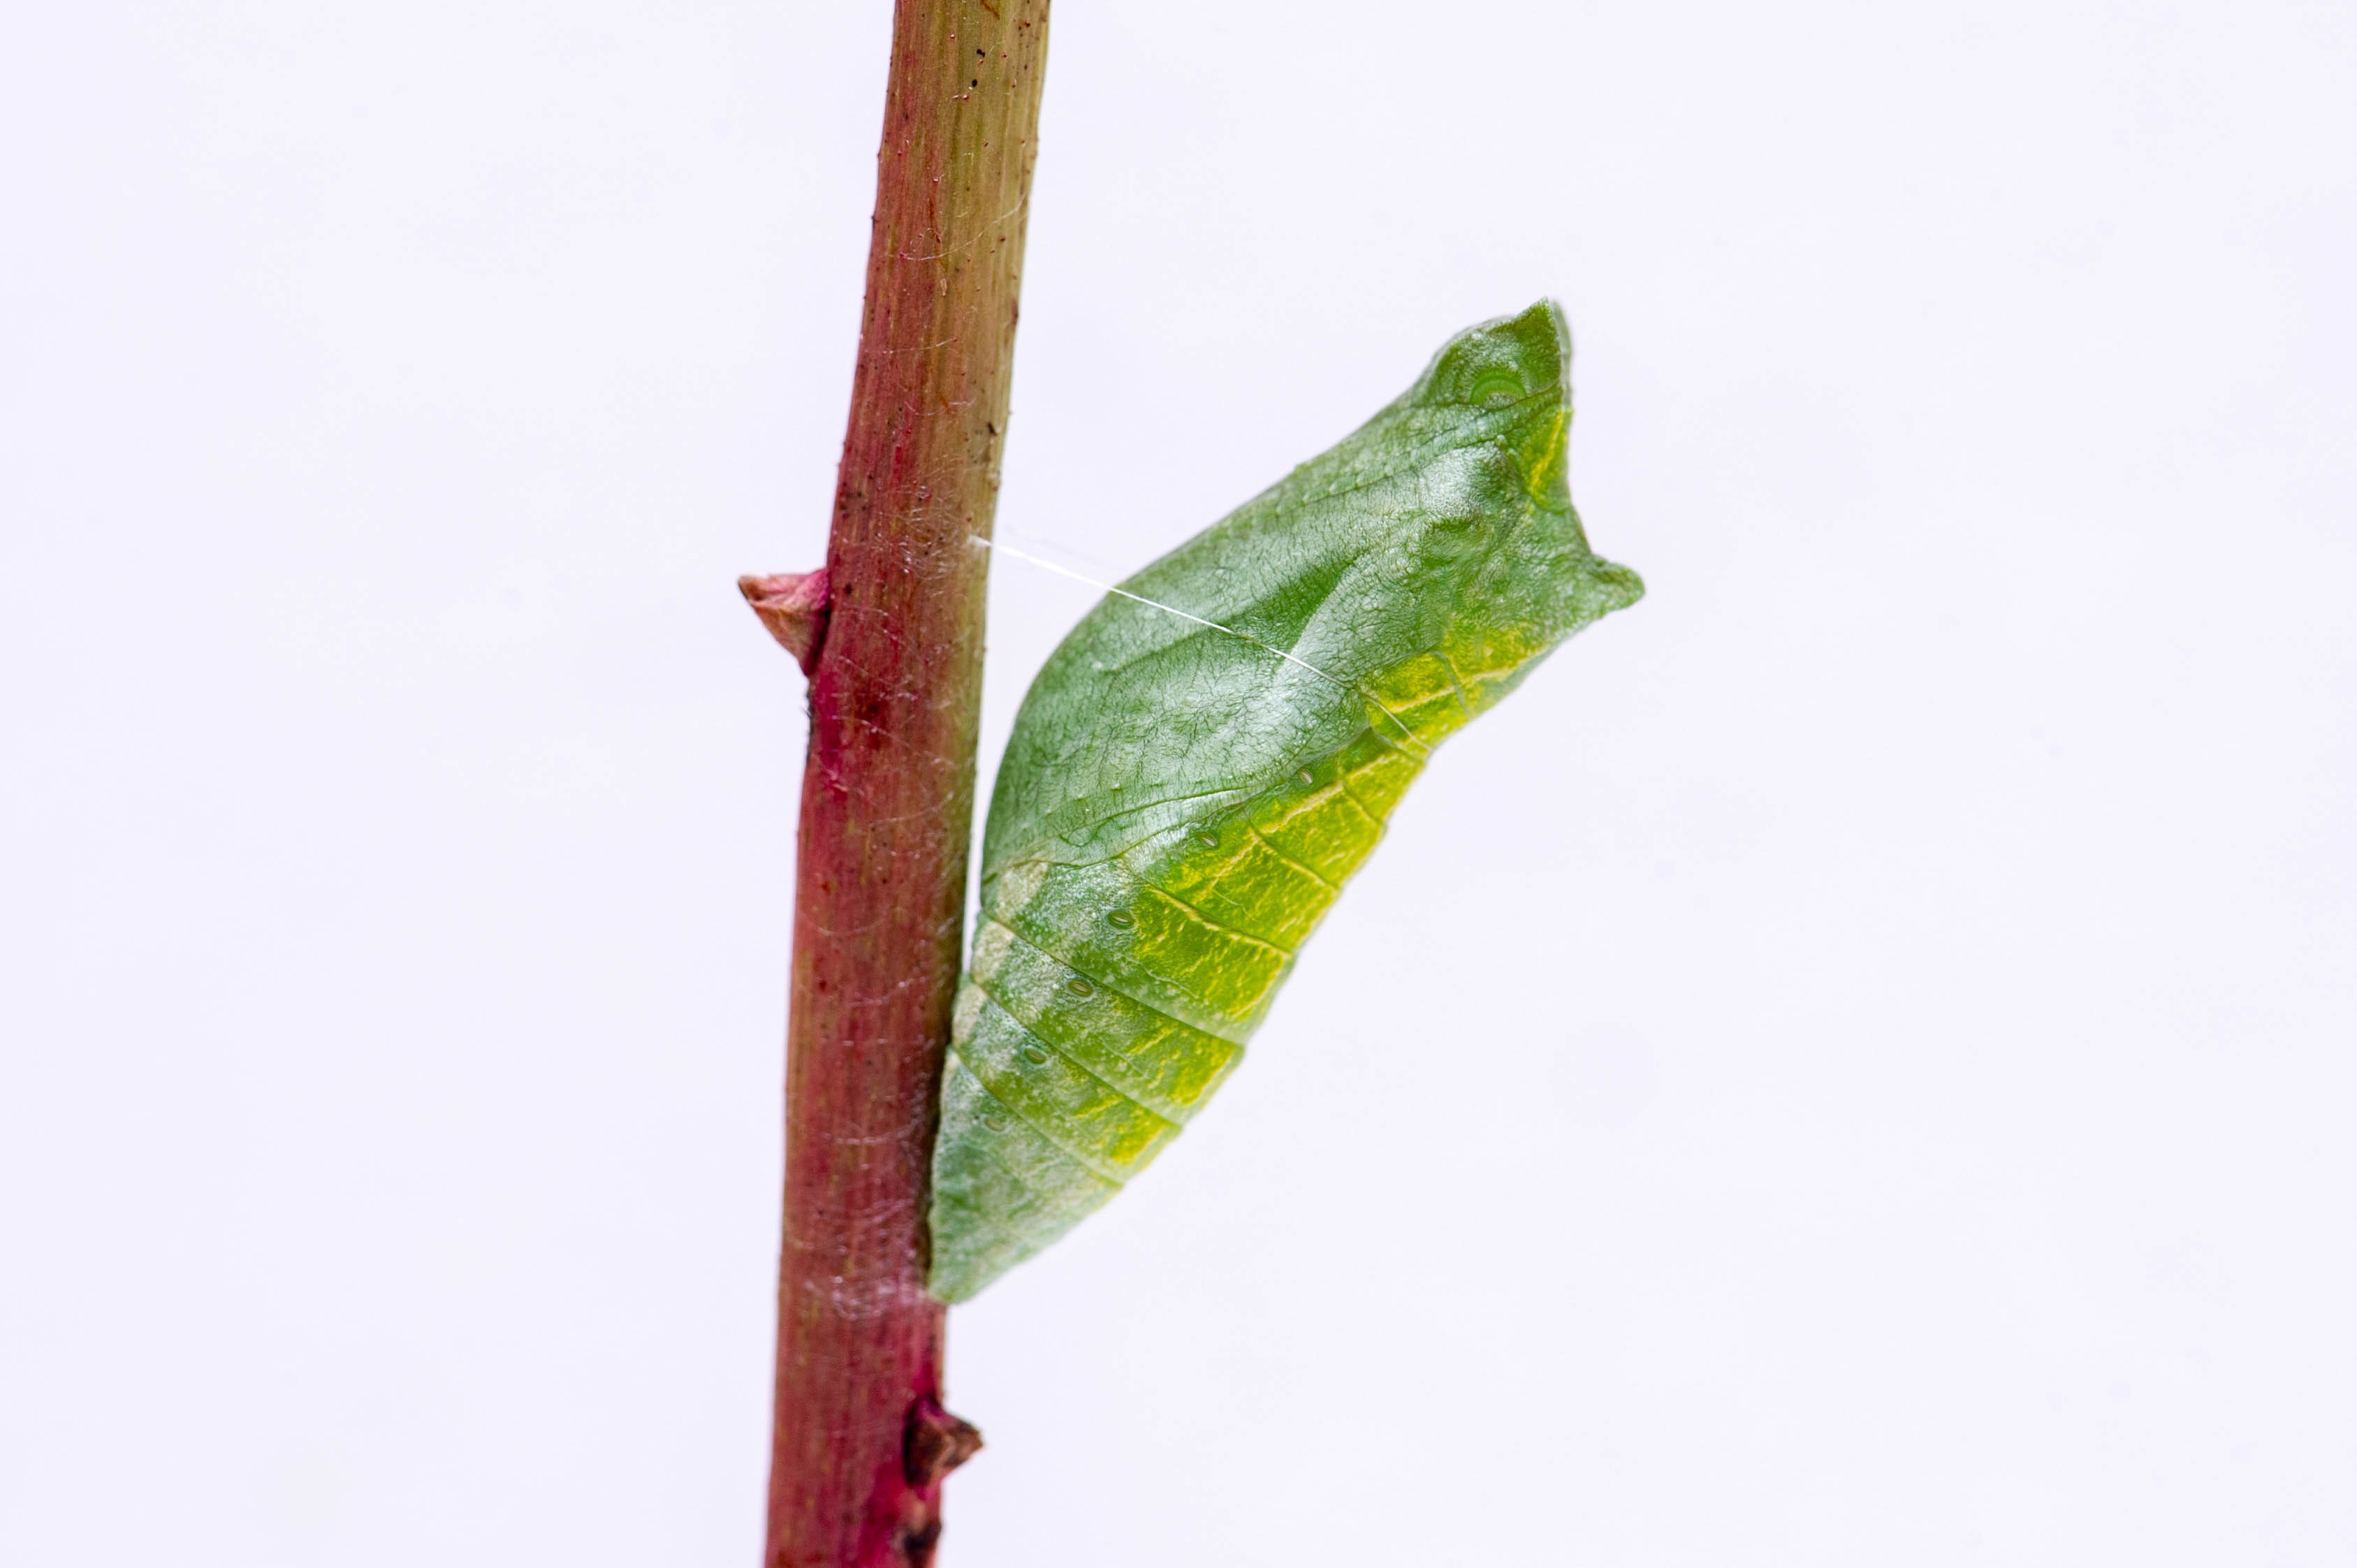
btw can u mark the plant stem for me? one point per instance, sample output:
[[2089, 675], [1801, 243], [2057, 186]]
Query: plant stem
[[860, 1440]]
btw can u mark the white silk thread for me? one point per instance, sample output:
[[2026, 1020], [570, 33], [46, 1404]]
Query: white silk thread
[[1062, 570]]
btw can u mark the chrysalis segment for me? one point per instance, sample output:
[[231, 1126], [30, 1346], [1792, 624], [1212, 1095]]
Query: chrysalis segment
[[1161, 954], [1212, 754], [1316, 822], [1072, 1108], [1159, 1062], [1001, 1191], [1376, 772], [1422, 696]]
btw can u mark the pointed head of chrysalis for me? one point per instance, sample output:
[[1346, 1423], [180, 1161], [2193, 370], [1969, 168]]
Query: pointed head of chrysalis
[[1501, 572]]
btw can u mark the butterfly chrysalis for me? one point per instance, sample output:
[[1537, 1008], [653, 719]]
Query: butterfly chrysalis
[[1212, 753]]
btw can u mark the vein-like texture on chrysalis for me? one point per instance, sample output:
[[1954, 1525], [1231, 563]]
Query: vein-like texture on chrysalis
[[1180, 802]]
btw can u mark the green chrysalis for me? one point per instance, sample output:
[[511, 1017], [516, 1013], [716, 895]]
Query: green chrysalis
[[1213, 751]]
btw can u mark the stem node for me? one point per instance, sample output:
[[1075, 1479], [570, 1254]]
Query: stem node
[[937, 1443]]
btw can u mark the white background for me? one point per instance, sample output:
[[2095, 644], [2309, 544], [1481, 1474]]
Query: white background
[[1851, 1066]]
